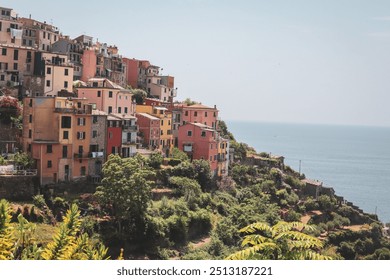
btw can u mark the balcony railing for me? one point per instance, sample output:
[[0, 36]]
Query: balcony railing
[[129, 142], [130, 127]]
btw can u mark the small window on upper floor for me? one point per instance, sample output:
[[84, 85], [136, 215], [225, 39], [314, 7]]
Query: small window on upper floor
[[189, 133]]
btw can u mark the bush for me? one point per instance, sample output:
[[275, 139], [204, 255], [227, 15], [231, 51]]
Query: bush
[[174, 162], [199, 223], [178, 229], [155, 160], [39, 201]]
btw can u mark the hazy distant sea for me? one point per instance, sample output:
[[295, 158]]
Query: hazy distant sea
[[354, 160]]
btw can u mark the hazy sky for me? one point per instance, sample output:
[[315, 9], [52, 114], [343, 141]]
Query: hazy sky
[[282, 61]]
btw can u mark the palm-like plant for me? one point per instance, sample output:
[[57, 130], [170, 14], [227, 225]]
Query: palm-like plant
[[6, 237], [283, 241]]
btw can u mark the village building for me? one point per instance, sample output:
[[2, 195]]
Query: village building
[[107, 96]]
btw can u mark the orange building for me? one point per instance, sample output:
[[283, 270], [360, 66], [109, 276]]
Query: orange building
[[57, 133]]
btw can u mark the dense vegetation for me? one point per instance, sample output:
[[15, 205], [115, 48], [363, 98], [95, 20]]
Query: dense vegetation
[[173, 209]]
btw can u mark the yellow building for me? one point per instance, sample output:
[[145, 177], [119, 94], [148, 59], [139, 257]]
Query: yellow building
[[166, 137], [223, 157]]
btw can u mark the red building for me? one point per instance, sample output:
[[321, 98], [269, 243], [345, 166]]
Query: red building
[[149, 127], [114, 135], [135, 71], [199, 141]]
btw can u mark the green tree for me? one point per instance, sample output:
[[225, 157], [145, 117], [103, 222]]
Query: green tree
[[155, 160], [281, 241], [224, 131], [126, 190], [139, 96], [203, 173], [177, 154], [23, 160]]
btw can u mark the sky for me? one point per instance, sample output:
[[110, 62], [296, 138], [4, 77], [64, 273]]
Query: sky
[[302, 61]]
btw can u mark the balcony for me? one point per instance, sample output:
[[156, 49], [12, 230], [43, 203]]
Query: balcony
[[129, 142], [96, 155], [65, 110], [132, 128]]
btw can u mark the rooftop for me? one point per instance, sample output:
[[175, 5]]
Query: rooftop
[[148, 116]]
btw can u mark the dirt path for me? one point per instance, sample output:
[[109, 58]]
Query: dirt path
[[201, 242]]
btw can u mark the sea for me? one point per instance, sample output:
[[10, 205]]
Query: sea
[[353, 160]]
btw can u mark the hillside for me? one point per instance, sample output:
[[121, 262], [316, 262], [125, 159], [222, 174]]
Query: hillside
[[173, 209]]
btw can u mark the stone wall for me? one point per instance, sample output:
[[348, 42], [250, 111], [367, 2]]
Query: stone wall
[[17, 188]]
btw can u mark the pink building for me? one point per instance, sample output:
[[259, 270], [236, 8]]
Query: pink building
[[149, 126], [134, 70], [107, 96], [199, 141]]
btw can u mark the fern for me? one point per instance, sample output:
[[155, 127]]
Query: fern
[[6, 238], [282, 241]]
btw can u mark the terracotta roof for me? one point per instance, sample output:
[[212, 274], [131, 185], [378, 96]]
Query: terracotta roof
[[98, 112], [112, 118], [123, 116], [200, 106], [146, 115]]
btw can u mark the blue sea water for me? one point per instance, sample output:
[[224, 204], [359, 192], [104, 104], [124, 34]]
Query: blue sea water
[[354, 160]]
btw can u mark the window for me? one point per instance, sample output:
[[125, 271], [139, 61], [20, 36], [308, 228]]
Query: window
[[65, 84], [49, 149], [195, 114], [99, 93], [43, 46], [29, 133], [81, 121], [15, 66], [110, 94], [65, 134], [211, 158], [2, 77], [30, 118], [29, 148], [119, 110], [16, 54], [82, 170], [49, 164], [110, 135], [125, 110], [149, 81], [186, 113], [94, 119], [30, 102], [109, 109], [113, 150], [162, 132], [81, 135], [215, 114], [66, 122], [203, 134], [48, 83], [162, 122], [4, 51], [66, 72], [64, 151], [205, 114], [48, 70], [94, 134], [189, 133]]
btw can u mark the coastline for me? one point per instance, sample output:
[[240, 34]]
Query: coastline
[[355, 170]]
